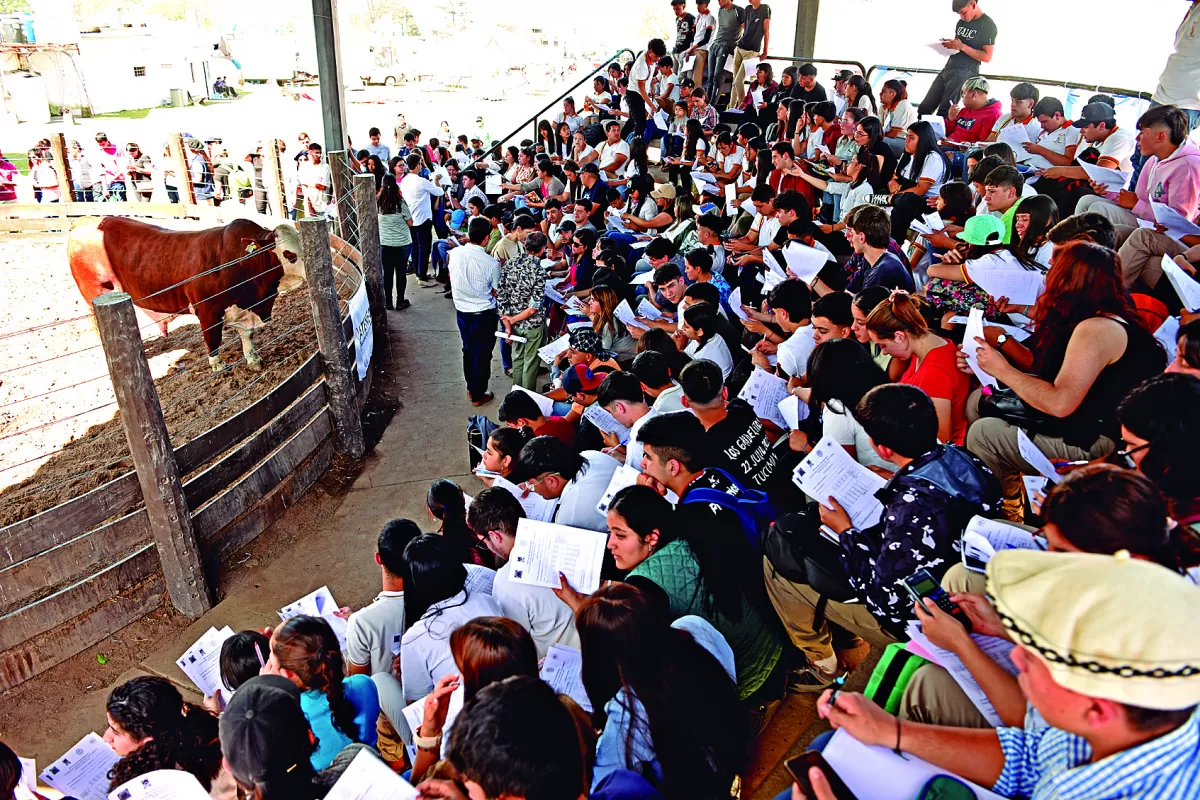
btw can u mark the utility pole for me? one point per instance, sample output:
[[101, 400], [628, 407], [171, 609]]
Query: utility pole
[[329, 68], [806, 28]]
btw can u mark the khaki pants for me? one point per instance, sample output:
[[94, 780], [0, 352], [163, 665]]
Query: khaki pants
[[737, 93], [1141, 256], [525, 359], [796, 605], [698, 69], [994, 442]]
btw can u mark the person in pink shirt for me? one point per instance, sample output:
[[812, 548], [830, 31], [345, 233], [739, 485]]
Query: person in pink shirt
[[8, 181], [1170, 175], [111, 164]]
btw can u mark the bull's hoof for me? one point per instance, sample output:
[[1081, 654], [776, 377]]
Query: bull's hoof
[[215, 363], [254, 364]]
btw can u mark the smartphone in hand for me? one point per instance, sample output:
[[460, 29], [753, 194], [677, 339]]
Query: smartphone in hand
[[799, 767]]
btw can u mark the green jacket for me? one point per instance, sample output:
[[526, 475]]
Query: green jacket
[[756, 647]]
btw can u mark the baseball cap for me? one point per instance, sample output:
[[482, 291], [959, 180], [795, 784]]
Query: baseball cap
[[1096, 112], [259, 730], [101, 136], [843, 75], [687, 83], [585, 340], [664, 192], [457, 217], [590, 168], [982, 229], [1072, 611], [580, 379]]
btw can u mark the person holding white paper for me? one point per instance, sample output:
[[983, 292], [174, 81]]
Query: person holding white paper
[[1092, 349], [926, 505], [621, 396], [791, 305], [1103, 144], [373, 632], [552, 470], [151, 727], [700, 329], [1023, 97], [840, 373], [1170, 174], [1141, 262]]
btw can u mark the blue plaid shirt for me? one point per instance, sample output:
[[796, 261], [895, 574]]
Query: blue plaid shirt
[[1051, 764]]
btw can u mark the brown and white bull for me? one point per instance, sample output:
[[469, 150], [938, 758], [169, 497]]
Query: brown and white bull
[[172, 272]]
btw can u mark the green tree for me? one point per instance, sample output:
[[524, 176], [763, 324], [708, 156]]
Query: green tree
[[13, 6]]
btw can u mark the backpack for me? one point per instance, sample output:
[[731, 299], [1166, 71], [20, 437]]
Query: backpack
[[802, 555], [479, 428], [593, 134], [891, 676], [754, 510]]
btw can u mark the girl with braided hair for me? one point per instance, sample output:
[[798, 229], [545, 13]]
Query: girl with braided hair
[[151, 728], [340, 710]]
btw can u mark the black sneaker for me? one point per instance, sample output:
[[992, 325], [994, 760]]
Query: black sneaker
[[403, 304], [809, 680]]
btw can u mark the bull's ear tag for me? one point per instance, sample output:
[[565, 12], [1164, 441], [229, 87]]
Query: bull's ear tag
[[250, 248]]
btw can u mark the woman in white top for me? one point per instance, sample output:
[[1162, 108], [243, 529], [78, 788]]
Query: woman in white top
[[582, 152], [861, 170], [436, 603], [695, 157], [699, 328], [600, 96], [1034, 218], [860, 95], [897, 112], [840, 373], [951, 288], [920, 173]]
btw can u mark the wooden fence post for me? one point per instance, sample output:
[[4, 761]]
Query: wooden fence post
[[183, 174], [153, 456], [331, 339], [272, 176], [347, 219], [372, 262], [62, 166]]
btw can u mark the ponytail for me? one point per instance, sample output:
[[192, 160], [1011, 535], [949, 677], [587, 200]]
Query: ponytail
[[308, 647], [901, 311]]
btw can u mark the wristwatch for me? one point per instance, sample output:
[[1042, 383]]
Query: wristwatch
[[1001, 340], [427, 742]]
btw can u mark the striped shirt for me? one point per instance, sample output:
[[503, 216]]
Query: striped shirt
[[1051, 764]]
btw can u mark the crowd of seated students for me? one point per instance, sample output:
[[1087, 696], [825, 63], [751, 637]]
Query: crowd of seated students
[[829, 244]]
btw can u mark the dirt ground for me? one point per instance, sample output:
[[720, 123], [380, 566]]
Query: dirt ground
[[60, 433]]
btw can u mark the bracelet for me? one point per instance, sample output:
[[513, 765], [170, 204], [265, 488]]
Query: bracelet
[[435, 742], [897, 749]]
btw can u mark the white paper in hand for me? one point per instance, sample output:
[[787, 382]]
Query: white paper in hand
[[202, 662], [544, 404], [1185, 285], [971, 347], [319, 603], [624, 313], [1020, 286], [1177, 224], [793, 411], [535, 506], [605, 422], [542, 550], [550, 353], [731, 199], [829, 471], [492, 184], [563, 671], [162, 784], [757, 95], [802, 261], [1016, 137], [1114, 180], [1035, 457], [879, 774], [764, 391], [647, 310], [735, 303], [941, 49], [368, 778], [82, 771]]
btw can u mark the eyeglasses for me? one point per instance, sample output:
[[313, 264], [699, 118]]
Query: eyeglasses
[[860, 133], [532, 484], [1126, 455]]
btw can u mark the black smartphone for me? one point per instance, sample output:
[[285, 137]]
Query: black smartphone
[[921, 585], [799, 767]]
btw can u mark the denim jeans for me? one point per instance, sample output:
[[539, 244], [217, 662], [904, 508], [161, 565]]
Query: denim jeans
[[422, 247], [715, 69], [478, 333]]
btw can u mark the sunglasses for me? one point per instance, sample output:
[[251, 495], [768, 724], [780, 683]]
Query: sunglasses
[[577, 244]]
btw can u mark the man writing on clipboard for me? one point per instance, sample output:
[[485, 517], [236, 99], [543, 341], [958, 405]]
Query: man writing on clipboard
[[974, 43]]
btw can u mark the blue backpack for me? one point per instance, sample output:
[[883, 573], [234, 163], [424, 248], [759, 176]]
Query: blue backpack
[[754, 510]]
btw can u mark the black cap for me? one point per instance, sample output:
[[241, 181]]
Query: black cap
[[843, 75], [687, 83], [258, 729], [590, 168], [1096, 112]]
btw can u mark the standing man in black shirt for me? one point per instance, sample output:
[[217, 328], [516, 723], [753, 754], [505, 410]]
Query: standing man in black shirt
[[685, 29], [756, 36], [974, 42]]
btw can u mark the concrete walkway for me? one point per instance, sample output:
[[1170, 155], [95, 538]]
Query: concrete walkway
[[331, 541]]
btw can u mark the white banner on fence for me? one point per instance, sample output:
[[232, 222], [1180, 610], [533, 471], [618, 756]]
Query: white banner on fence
[[364, 337]]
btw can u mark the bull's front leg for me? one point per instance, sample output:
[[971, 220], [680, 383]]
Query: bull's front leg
[[210, 330], [253, 361]]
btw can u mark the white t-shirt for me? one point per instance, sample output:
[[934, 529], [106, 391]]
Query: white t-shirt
[[634, 450], [574, 121], [795, 350], [767, 228], [716, 351], [668, 85], [1119, 146], [641, 72], [585, 152], [934, 168], [1179, 84], [608, 154], [845, 430], [425, 649], [1001, 259], [1058, 141], [577, 505], [901, 117], [548, 619], [373, 633], [1033, 128], [312, 175], [704, 21], [669, 400]]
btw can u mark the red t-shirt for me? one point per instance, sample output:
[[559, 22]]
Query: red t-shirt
[[975, 125], [560, 428], [938, 377]]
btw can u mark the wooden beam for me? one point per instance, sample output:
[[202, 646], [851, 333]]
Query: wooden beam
[[371, 263]]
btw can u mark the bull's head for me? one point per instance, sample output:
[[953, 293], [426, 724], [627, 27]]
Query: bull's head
[[286, 241]]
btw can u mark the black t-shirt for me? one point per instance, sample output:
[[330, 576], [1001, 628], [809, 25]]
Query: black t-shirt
[[977, 34], [752, 27], [685, 31], [739, 445], [814, 95], [889, 165]]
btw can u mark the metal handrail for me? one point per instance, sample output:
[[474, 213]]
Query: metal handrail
[[844, 62], [1091, 87], [537, 114]]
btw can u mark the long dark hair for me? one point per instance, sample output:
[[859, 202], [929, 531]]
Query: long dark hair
[[864, 90], [546, 137], [308, 647], [637, 155], [1084, 281], [10, 765], [631, 653], [181, 735], [763, 168], [563, 146], [446, 502], [842, 370], [389, 196], [432, 573], [1043, 215], [926, 145], [695, 133], [871, 169]]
